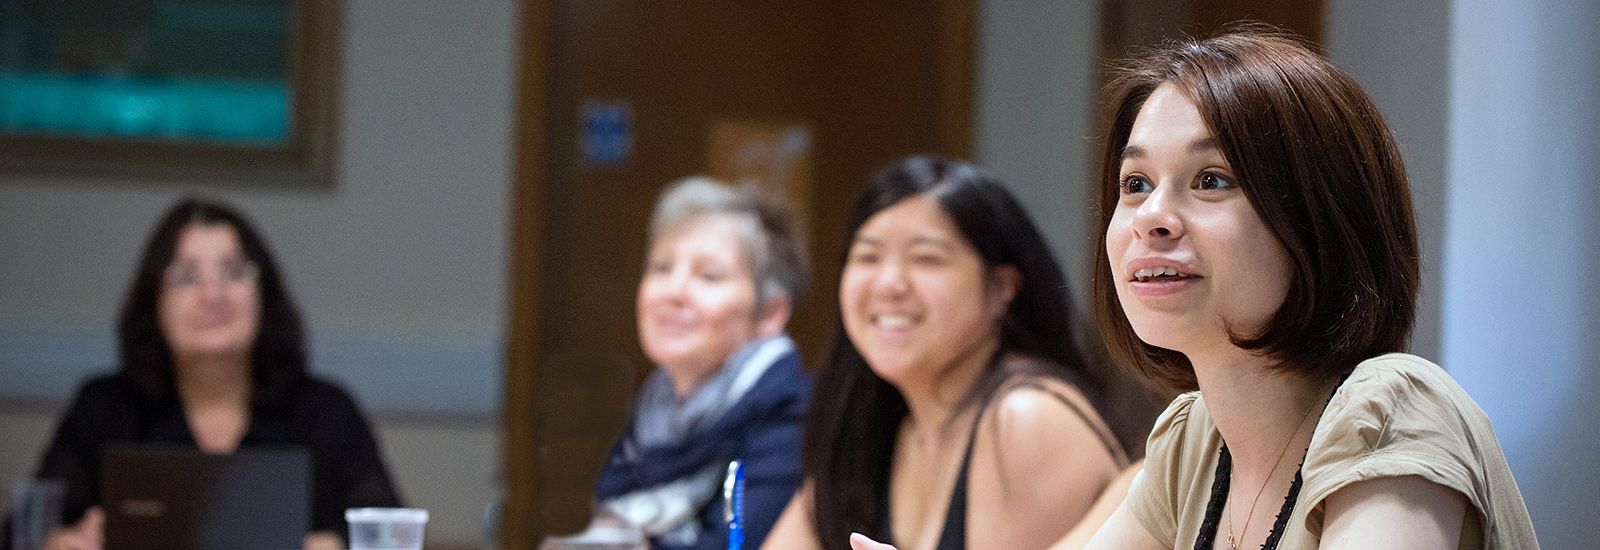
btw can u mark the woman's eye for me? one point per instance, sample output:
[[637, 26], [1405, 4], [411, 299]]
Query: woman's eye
[[862, 258], [1135, 184], [927, 260], [711, 276], [1214, 181]]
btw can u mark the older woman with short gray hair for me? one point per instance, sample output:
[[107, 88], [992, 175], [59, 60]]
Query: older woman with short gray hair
[[722, 275]]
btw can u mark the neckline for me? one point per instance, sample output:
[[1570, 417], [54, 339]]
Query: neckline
[[1221, 479]]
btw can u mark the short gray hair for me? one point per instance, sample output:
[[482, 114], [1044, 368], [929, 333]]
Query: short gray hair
[[774, 250]]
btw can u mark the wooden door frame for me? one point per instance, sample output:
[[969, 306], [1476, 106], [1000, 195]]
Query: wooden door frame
[[520, 524], [531, 173]]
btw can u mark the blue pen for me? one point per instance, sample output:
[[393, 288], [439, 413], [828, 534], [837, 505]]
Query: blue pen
[[733, 500]]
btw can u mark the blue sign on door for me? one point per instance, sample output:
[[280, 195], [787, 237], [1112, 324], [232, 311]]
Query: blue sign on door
[[607, 132]]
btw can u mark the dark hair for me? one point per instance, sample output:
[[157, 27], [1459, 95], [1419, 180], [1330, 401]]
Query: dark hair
[[1317, 163], [849, 436], [278, 357]]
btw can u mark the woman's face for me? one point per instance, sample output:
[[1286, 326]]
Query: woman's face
[[1190, 256], [914, 296], [697, 299], [210, 304]]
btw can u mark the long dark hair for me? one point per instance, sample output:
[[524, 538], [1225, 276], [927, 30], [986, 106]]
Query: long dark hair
[[278, 357], [849, 437]]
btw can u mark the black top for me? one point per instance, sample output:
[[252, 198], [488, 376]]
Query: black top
[[346, 470], [1220, 482]]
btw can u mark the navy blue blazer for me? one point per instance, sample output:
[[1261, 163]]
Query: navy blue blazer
[[762, 429]]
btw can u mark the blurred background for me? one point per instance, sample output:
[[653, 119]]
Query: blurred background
[[458, 191]]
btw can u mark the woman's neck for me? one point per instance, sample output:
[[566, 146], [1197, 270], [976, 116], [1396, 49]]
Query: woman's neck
[[212, 382], [1260, 412], [931, 407]]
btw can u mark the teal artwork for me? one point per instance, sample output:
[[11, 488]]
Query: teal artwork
[[192, 71], [179, 109]]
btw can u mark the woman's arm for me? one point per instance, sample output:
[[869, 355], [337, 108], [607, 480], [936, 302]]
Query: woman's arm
[[793, 530], [1108, 520], [87, 534], [1110, 499], [1038, 468], [1394, 512]]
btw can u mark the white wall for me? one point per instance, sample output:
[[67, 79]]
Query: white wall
[[1520, 304], [1493, 107], [399, 268], [1035, 116]]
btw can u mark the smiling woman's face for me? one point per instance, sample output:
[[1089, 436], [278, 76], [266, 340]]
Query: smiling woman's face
[[697, 299], [1191, 258], [913, 295]]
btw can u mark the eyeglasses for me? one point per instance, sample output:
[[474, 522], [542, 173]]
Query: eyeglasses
[[190, 274]]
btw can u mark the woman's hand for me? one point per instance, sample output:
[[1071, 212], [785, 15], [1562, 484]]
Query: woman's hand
[[88, 534], [859, 541], [323, 540]]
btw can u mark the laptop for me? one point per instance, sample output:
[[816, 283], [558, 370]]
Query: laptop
[[181, 499]]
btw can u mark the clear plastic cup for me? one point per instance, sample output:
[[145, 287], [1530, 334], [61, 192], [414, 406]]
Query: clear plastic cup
[[386, 528], [35, 506]]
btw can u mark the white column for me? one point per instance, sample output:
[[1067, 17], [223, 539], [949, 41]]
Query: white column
[[1520, 299]]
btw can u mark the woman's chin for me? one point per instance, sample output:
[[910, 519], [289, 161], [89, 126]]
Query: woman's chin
[[1165, 337], [212, 352]]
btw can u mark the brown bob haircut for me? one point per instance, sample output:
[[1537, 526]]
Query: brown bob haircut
[[1317, 163]]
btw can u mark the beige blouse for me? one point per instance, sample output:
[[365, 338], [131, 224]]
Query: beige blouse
[[1396, 415]]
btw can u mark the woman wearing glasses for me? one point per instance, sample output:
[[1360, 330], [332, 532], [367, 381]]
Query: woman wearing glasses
[[212, 357]]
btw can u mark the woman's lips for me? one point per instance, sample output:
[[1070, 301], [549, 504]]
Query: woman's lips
[[1162, 286]]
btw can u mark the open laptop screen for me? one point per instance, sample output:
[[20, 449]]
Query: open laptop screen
[[181, 499]]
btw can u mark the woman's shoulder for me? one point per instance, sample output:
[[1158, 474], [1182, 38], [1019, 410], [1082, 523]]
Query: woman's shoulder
[[319, 400], [1027, 382], [1047, 414], [111, 390], [1395, 367], [1180, 455], [1182, 435], [1400, 387], [114, 383], [787, 371], [1402, 415], [784, 385]]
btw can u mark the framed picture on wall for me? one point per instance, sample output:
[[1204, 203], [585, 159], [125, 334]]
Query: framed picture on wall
[[211, 90]]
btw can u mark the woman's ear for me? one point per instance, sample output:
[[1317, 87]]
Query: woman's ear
[[773, 316], [1004, 281]]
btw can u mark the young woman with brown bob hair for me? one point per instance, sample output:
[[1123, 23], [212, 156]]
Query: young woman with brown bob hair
[[1260, 254]]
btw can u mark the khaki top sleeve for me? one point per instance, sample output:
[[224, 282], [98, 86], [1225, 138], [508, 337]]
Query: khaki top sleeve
[[1397, 415], [1154, 497]]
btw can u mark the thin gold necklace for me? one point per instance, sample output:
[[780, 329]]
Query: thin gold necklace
[[1233, 542]]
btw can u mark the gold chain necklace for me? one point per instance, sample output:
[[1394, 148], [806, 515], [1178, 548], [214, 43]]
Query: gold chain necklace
[[1234, 542]]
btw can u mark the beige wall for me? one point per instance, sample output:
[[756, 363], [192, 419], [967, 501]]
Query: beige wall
[[399, 267]]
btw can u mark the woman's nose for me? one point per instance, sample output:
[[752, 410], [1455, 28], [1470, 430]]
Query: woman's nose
[[1158, 217], [212, 288], [677, 281], [891, 278]]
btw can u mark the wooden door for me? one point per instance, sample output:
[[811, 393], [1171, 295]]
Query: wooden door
[[871, 80]]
